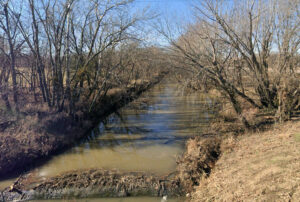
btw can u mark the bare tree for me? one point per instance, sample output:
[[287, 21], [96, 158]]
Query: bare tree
[[34, 46], [78, 50], [232, 48], [4, 75], [9, 28]]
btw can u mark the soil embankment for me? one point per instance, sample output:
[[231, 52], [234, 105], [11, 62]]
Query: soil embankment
[[198, 160], [260, 166], [38, 136], [92, 183]]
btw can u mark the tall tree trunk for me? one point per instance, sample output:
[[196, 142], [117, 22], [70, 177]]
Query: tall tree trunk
[[6, 101], [41, 82], [68, 82], [40, 65], [4, 87], [237, 108], [12, 57]]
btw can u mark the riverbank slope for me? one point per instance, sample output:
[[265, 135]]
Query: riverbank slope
[[260, 166], [37, 135]]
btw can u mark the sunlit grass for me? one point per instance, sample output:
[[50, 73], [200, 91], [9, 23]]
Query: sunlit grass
[[297, 137]]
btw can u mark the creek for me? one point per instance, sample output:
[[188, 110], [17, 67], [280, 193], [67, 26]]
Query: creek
[[146, 135]]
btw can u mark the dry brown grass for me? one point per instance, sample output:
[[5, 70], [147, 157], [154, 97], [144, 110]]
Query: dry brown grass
[[115, 92], [197, 162], [261, 167]]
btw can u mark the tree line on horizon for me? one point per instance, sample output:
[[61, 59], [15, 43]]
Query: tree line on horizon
[[63, 51], [247, 50], [76, 49]]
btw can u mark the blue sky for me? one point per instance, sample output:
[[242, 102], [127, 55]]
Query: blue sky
[[168, 8], [172, 11]]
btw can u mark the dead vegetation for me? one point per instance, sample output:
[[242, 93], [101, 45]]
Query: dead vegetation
[[246, 50], [63, 67], [261, 166], [92, 183], [38, 134], [255, 164], [197, 161]]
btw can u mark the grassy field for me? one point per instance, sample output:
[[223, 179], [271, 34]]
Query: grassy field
[[263, 166]]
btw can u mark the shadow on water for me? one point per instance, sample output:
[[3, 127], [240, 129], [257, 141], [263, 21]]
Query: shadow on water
[[116, 130], [145, 135]]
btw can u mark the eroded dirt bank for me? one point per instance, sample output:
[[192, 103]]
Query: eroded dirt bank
[[93, 183], [257, 166], [198, 160], [38, 136]]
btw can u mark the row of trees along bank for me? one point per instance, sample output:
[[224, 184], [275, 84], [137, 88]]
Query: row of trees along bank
[[247, 50], [66, 51], [61, 52]]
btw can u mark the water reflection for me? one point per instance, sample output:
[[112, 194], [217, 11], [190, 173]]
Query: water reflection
[[143, 136]]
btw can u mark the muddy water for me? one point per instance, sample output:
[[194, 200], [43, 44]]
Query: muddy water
[[146, 135]]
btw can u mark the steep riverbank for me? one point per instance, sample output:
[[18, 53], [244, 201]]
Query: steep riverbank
[[38, 136], [157, 126], [199, 159], [144, 136], [256, 166]]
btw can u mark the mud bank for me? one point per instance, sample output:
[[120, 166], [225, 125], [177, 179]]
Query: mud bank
[[258, 166], [93, 183], [38, 136], [198, 160]]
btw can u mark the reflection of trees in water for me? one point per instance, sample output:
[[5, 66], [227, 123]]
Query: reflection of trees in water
[[122, 125], [135, 136], [168, 118], [113, 127], [136, 143]]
